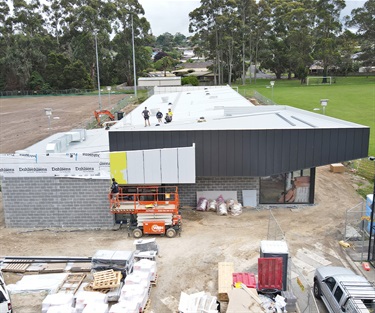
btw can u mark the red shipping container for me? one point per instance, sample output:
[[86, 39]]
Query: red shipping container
[[248, 279], [270, 273]]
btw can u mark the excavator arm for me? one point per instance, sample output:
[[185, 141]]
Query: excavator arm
[[98, 113]]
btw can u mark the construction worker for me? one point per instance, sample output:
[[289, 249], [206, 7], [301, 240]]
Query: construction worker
[[159, 116], [168, 116], [114, 194], [146, 116]]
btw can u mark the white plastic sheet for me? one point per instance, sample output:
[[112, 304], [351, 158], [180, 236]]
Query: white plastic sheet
[[36, 283]]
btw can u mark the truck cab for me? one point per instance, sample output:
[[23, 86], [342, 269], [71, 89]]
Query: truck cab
[[5, 303], [342, 290]]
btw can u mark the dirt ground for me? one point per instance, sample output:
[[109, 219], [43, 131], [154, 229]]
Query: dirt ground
[[187, 263], [23, 121]]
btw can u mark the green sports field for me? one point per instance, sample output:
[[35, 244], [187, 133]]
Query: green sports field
[[349, 98]]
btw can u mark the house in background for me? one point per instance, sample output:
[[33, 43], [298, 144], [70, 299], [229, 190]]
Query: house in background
[[198, 69]]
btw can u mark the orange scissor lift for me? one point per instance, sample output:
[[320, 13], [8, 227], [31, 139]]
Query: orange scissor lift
[[148, 210]]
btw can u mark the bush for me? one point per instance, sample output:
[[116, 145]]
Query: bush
[[190, 80]]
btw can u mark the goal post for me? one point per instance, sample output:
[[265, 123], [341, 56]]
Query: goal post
[[318, 80]]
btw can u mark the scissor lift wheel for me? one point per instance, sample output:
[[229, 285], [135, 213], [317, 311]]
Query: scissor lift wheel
[[170, 233], [137, 233]]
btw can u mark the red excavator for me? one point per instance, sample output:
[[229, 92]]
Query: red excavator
[[98, 113], [148, 210]]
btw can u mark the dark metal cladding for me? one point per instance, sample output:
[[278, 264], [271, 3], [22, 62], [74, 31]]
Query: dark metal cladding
[[253, 152]]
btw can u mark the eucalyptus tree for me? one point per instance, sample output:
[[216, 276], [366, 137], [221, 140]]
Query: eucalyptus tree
[[348, 44], [25, 48], [205, 21], [363, 19], [5, 34], [261, 29], [229, 25], [273, 54], [165, 41], [244, 12], [290, 40], [128, 20], [59, 14], [327, 27]]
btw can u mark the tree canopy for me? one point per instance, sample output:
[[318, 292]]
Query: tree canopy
[[52, 44]]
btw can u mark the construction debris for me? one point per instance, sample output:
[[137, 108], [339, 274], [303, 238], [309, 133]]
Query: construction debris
[[198, 303], [225, 279]]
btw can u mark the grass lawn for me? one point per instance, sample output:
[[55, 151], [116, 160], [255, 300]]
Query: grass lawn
[[349, 98]]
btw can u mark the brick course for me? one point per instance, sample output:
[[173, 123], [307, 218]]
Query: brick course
[[188, 192], [72, 202], [56, 202]]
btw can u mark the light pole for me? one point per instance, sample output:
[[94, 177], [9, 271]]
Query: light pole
[[97, 67], [272, 82], [109, 94], [135, 75], [323, 103]]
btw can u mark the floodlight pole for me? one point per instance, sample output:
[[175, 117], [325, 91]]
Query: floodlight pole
[[97, 68], [135, 75]]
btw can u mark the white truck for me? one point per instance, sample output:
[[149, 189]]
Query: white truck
[[342, 290], [5, 303]]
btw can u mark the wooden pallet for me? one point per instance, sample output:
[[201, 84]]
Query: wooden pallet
[[71, 283], [147, 306], [89, 287], [16, 266], [107, 279], [153, 282], [225, 277]]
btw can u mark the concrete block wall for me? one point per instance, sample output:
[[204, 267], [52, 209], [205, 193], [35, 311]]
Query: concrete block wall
[[56, 202], [188, 192]]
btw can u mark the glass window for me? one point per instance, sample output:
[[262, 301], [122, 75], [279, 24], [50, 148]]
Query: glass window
[[293, 187], [338, 294], [272, 189], [330, 283]]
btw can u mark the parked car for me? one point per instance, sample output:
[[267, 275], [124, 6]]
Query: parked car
[[5, 302], [342, 290]]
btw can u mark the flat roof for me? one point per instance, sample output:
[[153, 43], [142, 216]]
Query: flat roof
[[202, 108], [222, 108]]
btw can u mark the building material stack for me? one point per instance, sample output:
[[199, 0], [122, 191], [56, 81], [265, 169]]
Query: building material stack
[[135, 293], [91, 302], [146, 245], [113, 260]]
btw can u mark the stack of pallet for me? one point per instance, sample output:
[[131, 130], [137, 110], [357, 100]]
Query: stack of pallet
[[135, 293]]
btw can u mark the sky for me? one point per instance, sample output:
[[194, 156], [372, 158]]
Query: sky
[[172, 16]]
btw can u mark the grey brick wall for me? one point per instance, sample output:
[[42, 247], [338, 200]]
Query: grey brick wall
[[82, 203], [188, 192], [56, 202]]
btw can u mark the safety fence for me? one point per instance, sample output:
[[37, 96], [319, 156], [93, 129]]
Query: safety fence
[[274, 230], [356, 232], [263, 100], [65, 92], [298, 284]]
